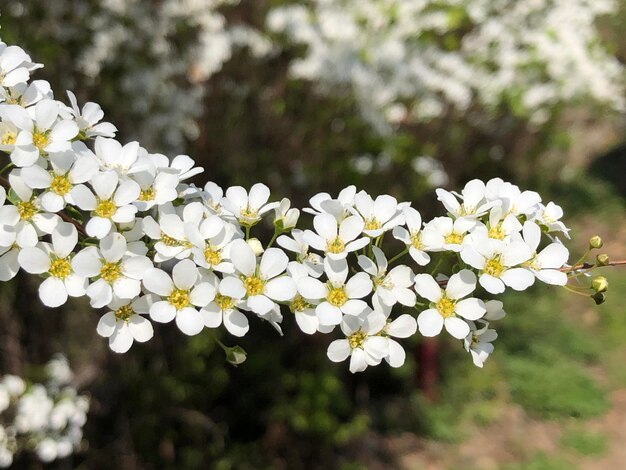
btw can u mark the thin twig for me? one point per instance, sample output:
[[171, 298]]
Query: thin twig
[[586, 266]]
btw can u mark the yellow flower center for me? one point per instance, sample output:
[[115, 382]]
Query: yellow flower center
[[532, 263], [105, 209], [494, 267], [9, 138], [416, 240], [454, 239], [335, 246], [356, 339], [372, 224], [445, 307], [298, 304], [124, 313], [224, 302], [26, 210], [171, 241], [179, 298], [337, 296], [60, 184], [466, 210], [40, 140], [249, 213], [60, 268], [212, 255], [253, 285], [146, 195], [110, 272], [496, 232]]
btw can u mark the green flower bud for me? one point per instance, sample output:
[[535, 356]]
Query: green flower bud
[[595, 242], [235, 355], [600, 284], [602, 259], [599, 297]]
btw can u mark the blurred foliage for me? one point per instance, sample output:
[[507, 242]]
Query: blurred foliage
[[585, 442]]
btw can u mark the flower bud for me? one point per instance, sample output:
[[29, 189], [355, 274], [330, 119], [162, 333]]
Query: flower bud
[[602, 259], [599, 298], [256, 246], [595, 242], [599, 284], [235, 355]]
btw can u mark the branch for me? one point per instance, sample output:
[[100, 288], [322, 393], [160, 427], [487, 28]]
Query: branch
[[586, 266], [5, 182]]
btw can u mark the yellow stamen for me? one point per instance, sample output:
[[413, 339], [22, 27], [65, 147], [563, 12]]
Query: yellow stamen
[[9, 138], [212, 255], [253, 285], [110, 272], [494, 267], [298, 304], [124, 313], [224, 302], [146, 195], [335, 246], [337, 296], [60, 185], [105, 209], [60, 268], [26, 210], [454, 239], [179, 298], [40, 140], [357, 339], [372, 224], [445, 307]]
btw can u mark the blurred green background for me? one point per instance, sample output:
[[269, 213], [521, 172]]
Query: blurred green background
[[552, 396]]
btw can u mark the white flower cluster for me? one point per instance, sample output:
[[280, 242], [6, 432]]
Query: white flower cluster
[[44, 418], [412, 60], [163, 52], [122, 227]]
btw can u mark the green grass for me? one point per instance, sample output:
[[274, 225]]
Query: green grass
[[584, 442], [541, 461]]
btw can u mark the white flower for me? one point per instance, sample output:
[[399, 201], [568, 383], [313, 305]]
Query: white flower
[[25, 220], [513, 200], [212, 196], [378, 215], [336, 242], [170, 231], [183, 294], [41, 134], [447, 306], [549, 216], [125, 160], [473, 196], [211, 243], [445, 234], [302, 309], [546, 264], [496, 262], [362, 343], [67, 171], [264, 283], [478, 344], [413, 236], [402, 327], [15, 65], [88, 120], [124, 323], [296, 244], [225, 307], [340, 297], [285, 218], [55, 260], [111, 203], [323, 203], [114, 270], [501, 225], [156, 188], [26, 94], [248, 208], [390, 287]]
